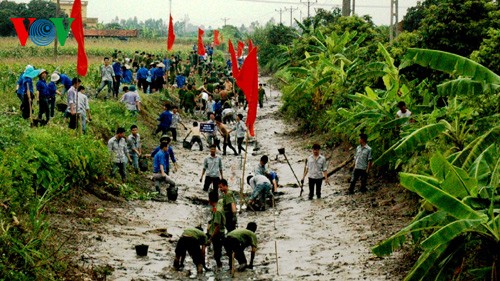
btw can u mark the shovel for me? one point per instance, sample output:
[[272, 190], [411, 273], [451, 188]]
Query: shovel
[[282, 152]]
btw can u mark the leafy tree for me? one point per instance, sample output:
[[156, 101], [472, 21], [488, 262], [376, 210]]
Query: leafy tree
[[488, 54], [452, 26]]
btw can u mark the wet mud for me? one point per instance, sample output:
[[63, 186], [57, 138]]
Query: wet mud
[[300, 239]]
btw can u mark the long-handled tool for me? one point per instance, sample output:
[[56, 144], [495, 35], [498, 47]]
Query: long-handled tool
[[302, 181], [282, 151]]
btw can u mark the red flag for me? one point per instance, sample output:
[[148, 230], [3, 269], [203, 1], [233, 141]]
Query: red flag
[[234, 61], [171, 34], [248, 80], [201, 47], [216, 38], [250, 45], [82, 62], [241, 45]]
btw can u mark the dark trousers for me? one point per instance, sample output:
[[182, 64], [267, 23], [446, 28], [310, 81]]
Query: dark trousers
[[217, 242], [227, 143], [174, 133], [230, 221], [121, 169], [192, 246], [43, 108], [211, 180], [197, 139], [233, 245], [240, 144], [312, 184], [116, 86], [143, 84], [52, 105], [161, 129], [356, 174]]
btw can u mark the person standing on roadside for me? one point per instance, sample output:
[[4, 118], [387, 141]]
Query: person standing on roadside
[[117, 68], [107, 77], [117, 145], [134, 147], [43, 96], [229, 203], [362, 164], [212, 166], [241, 130], [52, 95], [316, 168], [262, 94]]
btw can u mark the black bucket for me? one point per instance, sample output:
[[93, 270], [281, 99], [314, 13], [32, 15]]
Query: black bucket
[[141, 250], [186, 144], [172, 193]]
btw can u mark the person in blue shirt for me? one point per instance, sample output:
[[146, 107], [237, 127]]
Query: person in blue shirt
[[25, 85], [165, 119], [169, 154], [43, 96], [160, 167], [126, 74], [159, 77], [117, 68], [141, 78], [63, 79], [180, 80], [52, 96]]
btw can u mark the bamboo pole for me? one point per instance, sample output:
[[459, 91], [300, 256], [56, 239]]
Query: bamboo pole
[[276, 253], [242, 197], [28, 92]]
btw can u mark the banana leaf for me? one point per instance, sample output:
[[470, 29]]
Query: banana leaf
[[467, 156], [484, 165], [397, 240], [450, 63], [419, 136], [426, 261], [366, 101], [455, 181], [439, 198], [447, 233]]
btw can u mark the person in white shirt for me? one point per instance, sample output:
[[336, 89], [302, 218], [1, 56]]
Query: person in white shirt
[[403, 111]]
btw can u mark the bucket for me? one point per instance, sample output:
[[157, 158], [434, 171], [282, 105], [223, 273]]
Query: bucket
[[172, 193], [141, 250], [186, 144]]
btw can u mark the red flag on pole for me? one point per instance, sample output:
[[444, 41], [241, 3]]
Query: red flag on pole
[[216, 38], [241, 45], [250, 45], [248, 80], [201, 47], [234, 61], [77, 30], [171, 34]]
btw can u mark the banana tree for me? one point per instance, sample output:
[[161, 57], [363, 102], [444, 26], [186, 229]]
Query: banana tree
[[478, 85], [320, 76], [464, 218], [374, 110]]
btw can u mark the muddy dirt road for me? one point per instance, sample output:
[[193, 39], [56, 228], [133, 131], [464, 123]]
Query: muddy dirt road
[[320, 239]]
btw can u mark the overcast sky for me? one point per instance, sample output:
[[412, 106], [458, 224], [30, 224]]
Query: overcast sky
[[212, 12]]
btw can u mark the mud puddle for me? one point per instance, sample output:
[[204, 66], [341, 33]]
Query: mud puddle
[[320, 239]]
